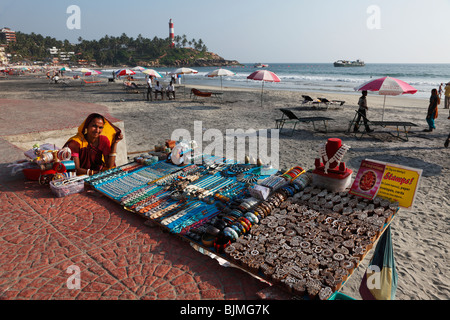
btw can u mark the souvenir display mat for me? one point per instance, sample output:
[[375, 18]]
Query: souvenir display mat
[[306, 240]]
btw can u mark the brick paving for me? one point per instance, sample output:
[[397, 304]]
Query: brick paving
[[43, 237]]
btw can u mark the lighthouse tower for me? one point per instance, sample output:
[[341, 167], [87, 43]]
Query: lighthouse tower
[[171, 34]]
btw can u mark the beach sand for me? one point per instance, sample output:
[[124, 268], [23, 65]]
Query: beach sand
[[420, 235]]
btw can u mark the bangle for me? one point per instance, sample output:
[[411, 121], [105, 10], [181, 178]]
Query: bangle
[[88, 171], [208, 240], [113, 154]]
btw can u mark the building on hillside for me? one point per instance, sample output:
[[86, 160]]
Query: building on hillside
[[60, 55], [8, 35], [53, 50], [3, 56]]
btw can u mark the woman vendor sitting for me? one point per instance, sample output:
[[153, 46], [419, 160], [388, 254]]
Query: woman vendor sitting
[[94, 146]]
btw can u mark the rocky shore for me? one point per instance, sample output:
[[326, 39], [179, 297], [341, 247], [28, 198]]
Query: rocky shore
[[211, 60]]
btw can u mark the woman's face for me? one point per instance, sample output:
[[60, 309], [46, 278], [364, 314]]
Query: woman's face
[[95, 128]]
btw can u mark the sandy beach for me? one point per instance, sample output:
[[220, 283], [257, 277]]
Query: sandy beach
[[420, 235]]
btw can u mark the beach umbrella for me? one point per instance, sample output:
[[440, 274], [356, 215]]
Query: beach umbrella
[[92, 73], [382, 272], [152, 72], [139, 68], [264, 75], [125, 72], [220, 73], [82, 70], [65, 69], [184, 70], [387, 86]]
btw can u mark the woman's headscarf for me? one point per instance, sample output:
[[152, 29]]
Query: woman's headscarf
[[87, 159], [109, 130]]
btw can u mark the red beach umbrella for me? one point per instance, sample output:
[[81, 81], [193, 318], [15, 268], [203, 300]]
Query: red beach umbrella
[[264, 75], [387, 86], [125, 72]]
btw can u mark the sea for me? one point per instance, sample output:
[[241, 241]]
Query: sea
[[319, 78]]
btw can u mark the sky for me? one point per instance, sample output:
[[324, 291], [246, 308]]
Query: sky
[[251, 31]]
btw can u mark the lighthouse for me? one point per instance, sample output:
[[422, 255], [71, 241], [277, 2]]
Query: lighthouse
[[171, 34]]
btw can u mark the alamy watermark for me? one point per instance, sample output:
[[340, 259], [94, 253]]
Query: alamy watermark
[[374, 20], [373, 280], [74, 281], [236, 144], [74, 20]]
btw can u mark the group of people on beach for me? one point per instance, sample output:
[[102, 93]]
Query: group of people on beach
[[169, 90], [94, 146], [432, 113]]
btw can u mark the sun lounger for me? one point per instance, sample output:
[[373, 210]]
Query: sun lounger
[[195, 94], [90, 81], [290, 117], [309, 100], [327, 102], [401, 126]]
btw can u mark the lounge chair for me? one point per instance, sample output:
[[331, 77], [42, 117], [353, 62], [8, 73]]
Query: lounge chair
[[83, 81], [197, 93], [290, 117], [307, 99], [398, 124], [327, 102]]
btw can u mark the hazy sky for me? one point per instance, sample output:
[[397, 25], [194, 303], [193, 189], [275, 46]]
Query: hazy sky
[[376, 31]]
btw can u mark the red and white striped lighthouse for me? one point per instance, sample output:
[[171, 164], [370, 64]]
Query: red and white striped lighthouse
[[171, 34]]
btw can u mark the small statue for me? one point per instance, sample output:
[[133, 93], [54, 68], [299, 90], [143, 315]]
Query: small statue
[[332, 171]]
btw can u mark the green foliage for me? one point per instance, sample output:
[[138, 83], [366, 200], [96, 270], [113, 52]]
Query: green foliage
[[111, 50]]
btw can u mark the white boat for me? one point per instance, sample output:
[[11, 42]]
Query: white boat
[[260, 65], [347, 63]]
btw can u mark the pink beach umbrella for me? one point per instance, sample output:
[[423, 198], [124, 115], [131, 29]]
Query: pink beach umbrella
[[264, 75], [92, 73], [387, 86]]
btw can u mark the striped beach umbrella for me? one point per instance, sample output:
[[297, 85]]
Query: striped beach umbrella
[[185, 70], [124, 72], [83, 70], [387, 86], [264, 75], [92, 73], [138, 68], [152, 73], [380, 281], [220, 73]]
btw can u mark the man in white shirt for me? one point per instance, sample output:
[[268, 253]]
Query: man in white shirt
[[149, 88], [170, 90], [159, 89]]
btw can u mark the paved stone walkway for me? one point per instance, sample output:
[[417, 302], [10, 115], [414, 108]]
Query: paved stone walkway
[[43, 239]]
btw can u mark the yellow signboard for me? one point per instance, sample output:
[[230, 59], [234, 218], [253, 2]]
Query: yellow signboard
[[398, 183]]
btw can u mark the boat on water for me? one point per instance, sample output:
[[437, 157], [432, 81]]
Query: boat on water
[[260, 65], [347, 63]]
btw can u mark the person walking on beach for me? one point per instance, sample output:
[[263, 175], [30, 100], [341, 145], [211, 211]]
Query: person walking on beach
[[432, 111], [447, 95], [149, 88], [362, 112]]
